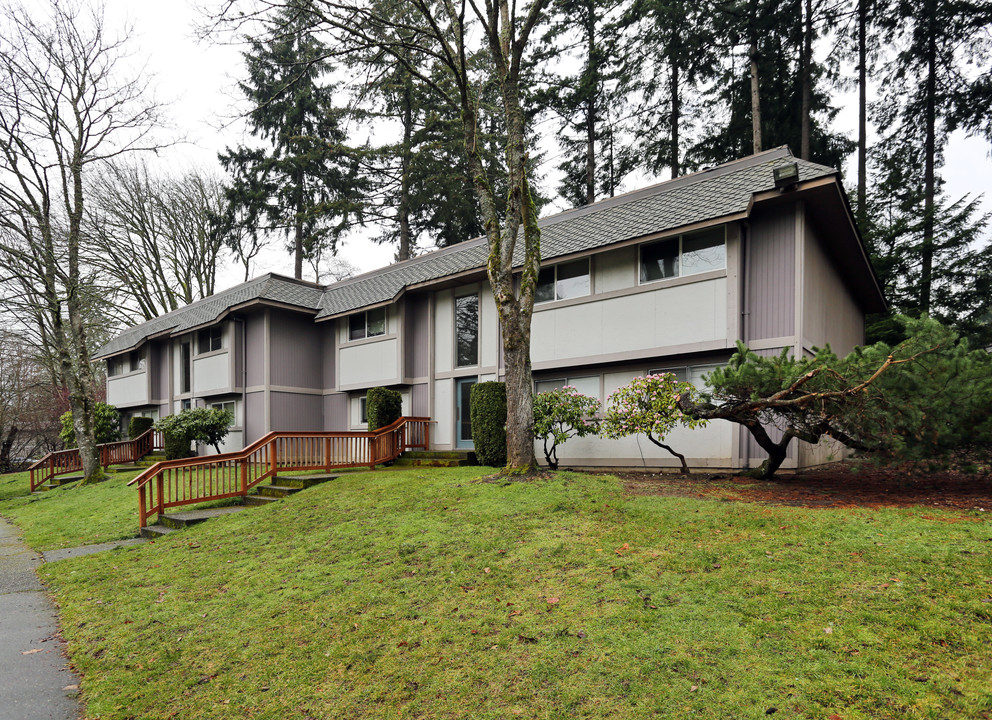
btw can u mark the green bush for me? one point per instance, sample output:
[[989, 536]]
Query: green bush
[[108, 425], [488, 401], [139, 426], [383, 407], [203, 425]]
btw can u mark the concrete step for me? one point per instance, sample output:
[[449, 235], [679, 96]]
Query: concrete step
[[153, 532], [277, 491], [180, 520], [258, 500], [303, 481], [440, 455], [404, 461]]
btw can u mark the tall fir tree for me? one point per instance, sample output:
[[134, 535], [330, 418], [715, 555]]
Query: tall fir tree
[[305, 183]]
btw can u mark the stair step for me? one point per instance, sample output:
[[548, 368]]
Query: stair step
[[277, 491], [258, 500], [155, 531], [303, 481], [429, 462], [181, 520], [440, 455]]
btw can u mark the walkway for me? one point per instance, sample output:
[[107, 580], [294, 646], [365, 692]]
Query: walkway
[[35, 683]]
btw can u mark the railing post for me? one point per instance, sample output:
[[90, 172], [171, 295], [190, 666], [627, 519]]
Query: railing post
[[142, 512], [327, 454], [160, 486], [244, 477], [274, 455]]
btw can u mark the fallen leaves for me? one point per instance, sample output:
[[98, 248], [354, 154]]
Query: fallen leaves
[[31, 652]]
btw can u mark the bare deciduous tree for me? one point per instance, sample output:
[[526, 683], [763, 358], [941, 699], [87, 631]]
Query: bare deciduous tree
[[67, 104]]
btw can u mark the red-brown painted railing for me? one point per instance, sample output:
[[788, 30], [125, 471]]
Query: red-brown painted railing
[[116, 453], [172, 483]]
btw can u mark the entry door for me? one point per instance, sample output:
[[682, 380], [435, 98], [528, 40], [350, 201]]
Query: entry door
[[463, 412]]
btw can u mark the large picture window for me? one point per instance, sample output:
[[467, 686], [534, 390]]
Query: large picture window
[[563, 281], [367, 324], [687, 254], [209, 340], [467, 330]]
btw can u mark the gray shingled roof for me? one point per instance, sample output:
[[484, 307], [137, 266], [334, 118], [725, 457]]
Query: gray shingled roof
[[708, 195], [203, 312]]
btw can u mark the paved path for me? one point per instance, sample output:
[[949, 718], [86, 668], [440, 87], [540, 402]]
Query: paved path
[[33, 672]]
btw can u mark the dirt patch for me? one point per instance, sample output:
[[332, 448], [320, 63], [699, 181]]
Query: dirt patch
[[838, 485]]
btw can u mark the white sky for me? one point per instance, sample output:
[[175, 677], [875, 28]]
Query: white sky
[[196, 80]]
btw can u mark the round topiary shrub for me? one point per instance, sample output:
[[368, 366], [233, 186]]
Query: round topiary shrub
[[488, 403], [176, 445], [383, 407], [139, 426]]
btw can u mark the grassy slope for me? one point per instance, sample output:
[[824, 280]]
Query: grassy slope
[[424, 594], [70, 516]]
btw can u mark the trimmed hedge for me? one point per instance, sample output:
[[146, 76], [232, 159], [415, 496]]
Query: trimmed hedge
[[138, 426], [488, 402], [383, 407], [177, 446]]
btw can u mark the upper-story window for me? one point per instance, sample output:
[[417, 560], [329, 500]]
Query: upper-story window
[[367, 324], [563, 281], [684, 255], [132, 362], [135, 361], [466, 330], [115, 366], [209, 340]]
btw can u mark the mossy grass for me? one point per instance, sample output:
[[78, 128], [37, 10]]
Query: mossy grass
[[427, 593]]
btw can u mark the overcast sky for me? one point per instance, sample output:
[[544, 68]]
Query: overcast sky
[[196, 80]]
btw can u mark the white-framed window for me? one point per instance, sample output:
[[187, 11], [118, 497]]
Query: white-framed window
[[135, 361], [115, 366], [586, 385], [367, 324], [683, 255], [231, 407], [185, 368], [563, 281], [363, 410], [691, 374], [209, 339], [467, 330], [186, 404]]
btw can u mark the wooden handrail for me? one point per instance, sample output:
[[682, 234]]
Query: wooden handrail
[[115, 453], [187, 481]]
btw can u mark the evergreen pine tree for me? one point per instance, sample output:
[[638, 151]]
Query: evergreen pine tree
[[305, 182]]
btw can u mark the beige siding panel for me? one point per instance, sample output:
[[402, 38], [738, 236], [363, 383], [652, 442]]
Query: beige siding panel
[[296, 412], [212, 373], [297, 344], [830, 314], [417, 337], [443, 431], [370, 363], [443, 331], [678, 315], [255, 330], [127, 390], [615, 270], [254, 416], [771, 281], [336, 412]]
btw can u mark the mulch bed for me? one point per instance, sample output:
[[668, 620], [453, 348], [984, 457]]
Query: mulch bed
[[840, 485]]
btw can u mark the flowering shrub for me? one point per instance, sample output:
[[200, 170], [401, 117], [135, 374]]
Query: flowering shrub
[[560, 414], [649, 406]]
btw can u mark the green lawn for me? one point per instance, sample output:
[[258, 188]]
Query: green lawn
[[428, 594]]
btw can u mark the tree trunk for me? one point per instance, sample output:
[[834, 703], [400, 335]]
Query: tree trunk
[[680, 456], [807, 83], [593, 86], [5, 448], [929, 176], [403, 211], [676, 115], [777, 451], [862, 114], [755, 99]]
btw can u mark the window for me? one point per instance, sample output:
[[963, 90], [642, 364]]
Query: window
[[693, 375], [467, 330], [363, 410], [367, 324], [135, 361], [230, 407], [684, 255], [184, 367], [588, 385], [186, 404], [563, 281], [208, 340], [681, 373], [115, 366]]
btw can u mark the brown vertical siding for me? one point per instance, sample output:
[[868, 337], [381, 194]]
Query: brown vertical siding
[[296, 350], [254, 416], [417, 338], [329, 353], [336, 412], [237, 338], [255, 329], [420, 400], [771, 281], [296, 412]]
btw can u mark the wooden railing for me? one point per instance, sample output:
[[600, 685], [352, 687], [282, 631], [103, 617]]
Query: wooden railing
[[115, 453], [172, 483]]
